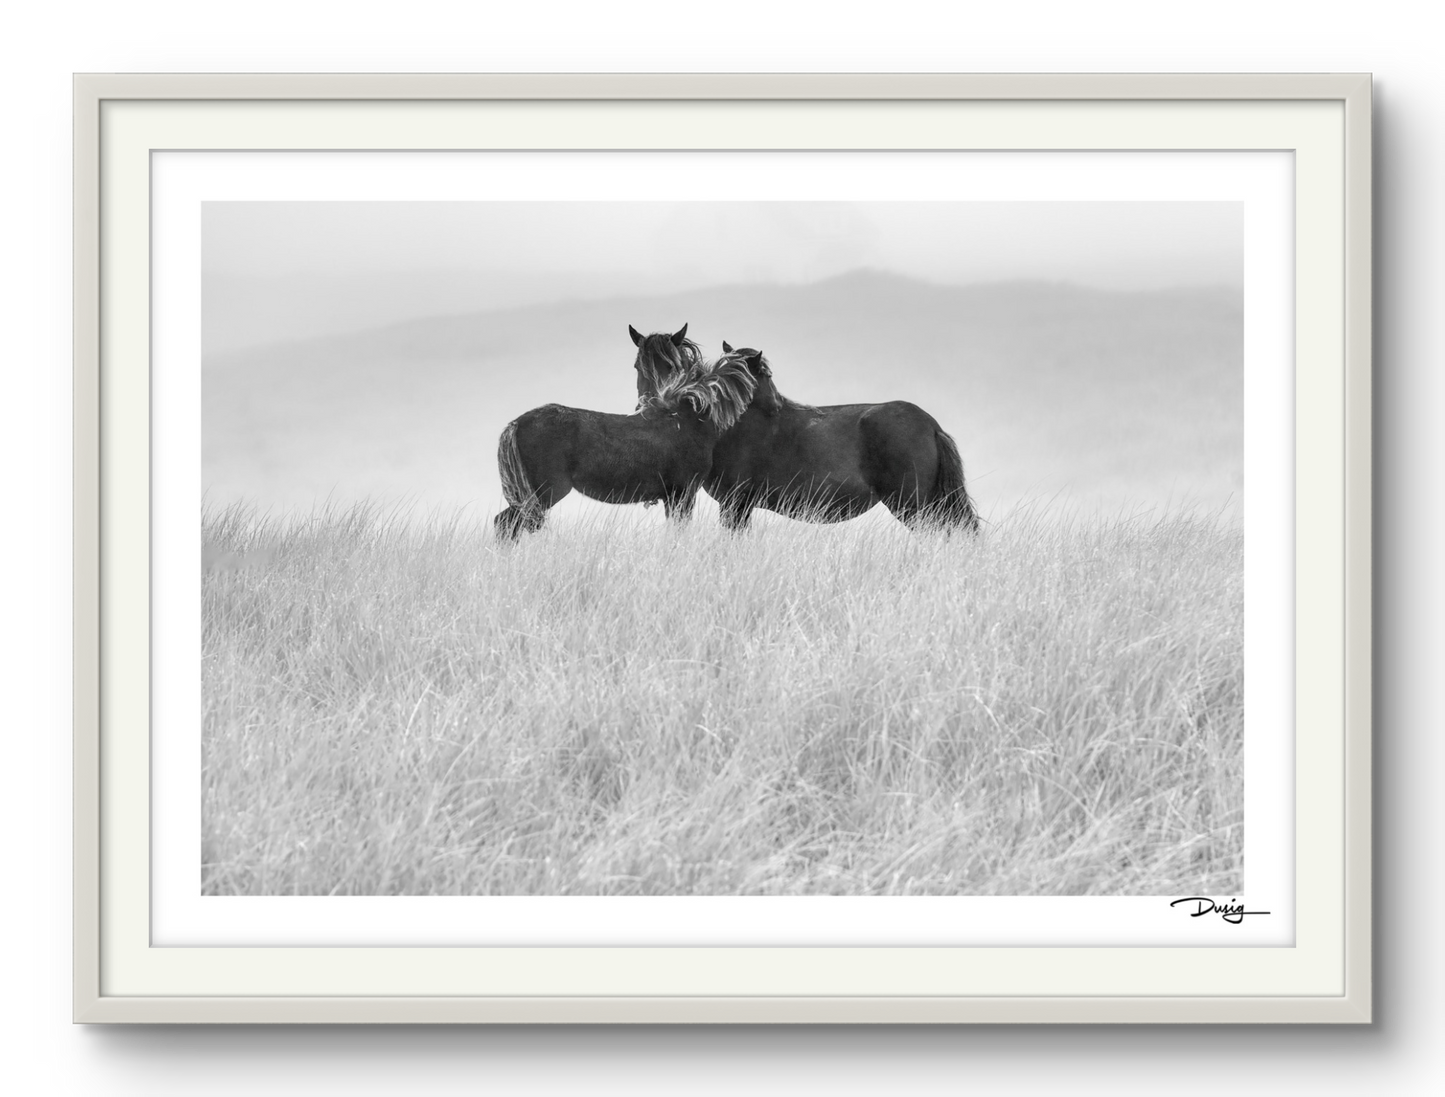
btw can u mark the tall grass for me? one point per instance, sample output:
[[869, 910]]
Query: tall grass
[[405, 707]]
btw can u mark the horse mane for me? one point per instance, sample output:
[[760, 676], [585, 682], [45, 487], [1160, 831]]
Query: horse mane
[[719, 391], [659, 356]]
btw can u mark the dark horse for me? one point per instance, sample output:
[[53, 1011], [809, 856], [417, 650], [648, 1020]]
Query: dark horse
[[660, 452], [829, 464]]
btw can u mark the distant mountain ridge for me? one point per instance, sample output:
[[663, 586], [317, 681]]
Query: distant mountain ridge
[[448, 333], [244, 312]]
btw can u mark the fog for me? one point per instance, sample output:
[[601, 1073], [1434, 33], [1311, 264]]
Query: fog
[[285, 270]]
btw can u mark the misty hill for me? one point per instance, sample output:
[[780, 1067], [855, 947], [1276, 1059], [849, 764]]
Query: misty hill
[[247, 311], [1109, 399]]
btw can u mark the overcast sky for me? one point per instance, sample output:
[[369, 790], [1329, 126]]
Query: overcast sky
[[278, 270]]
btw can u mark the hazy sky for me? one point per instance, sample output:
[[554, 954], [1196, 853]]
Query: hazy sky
[[275, 271], [1130, 245]]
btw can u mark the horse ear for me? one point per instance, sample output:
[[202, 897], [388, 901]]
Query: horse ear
[[726, 349], [636, 335], [680, 336], [759, 365]]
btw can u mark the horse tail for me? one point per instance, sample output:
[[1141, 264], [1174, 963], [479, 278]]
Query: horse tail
[[516, 484], [950, 505]]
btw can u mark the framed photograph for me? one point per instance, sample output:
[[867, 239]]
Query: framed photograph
[[1000, 649]]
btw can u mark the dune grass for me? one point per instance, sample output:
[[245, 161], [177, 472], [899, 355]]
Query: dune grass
[[397, 706]]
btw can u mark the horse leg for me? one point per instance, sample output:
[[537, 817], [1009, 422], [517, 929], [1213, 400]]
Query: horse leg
[[734, 513], [918, 516], [930, 518], [678, 505], [916, 519], [905, 504]]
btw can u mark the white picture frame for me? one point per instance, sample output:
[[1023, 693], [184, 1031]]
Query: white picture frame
[[120, 976]]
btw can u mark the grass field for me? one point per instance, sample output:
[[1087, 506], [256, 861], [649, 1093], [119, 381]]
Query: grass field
[[402, 706]]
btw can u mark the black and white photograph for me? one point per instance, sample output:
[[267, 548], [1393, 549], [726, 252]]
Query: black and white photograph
[[720, 559], [750, 548]]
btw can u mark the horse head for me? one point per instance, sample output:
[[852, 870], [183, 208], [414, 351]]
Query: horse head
[[765, 393], [660, 357]]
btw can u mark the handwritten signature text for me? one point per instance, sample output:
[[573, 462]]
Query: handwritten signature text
[[1232, 912]]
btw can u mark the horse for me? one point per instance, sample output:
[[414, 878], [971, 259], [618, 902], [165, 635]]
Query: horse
[[829, 464], [660, 453]]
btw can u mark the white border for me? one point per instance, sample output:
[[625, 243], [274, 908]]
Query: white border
[[120, 977], [1261, 181]]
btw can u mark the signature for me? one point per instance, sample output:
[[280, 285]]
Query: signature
[[1232, 912]]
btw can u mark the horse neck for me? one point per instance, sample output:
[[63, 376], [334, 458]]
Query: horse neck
[[767, 399]]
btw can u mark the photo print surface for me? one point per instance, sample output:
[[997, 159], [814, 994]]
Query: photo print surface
[[943, 594]]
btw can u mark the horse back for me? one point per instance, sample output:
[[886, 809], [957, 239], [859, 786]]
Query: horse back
[[797, 457], [572, 434], [611, 457], [897, 418], [548, 430]]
